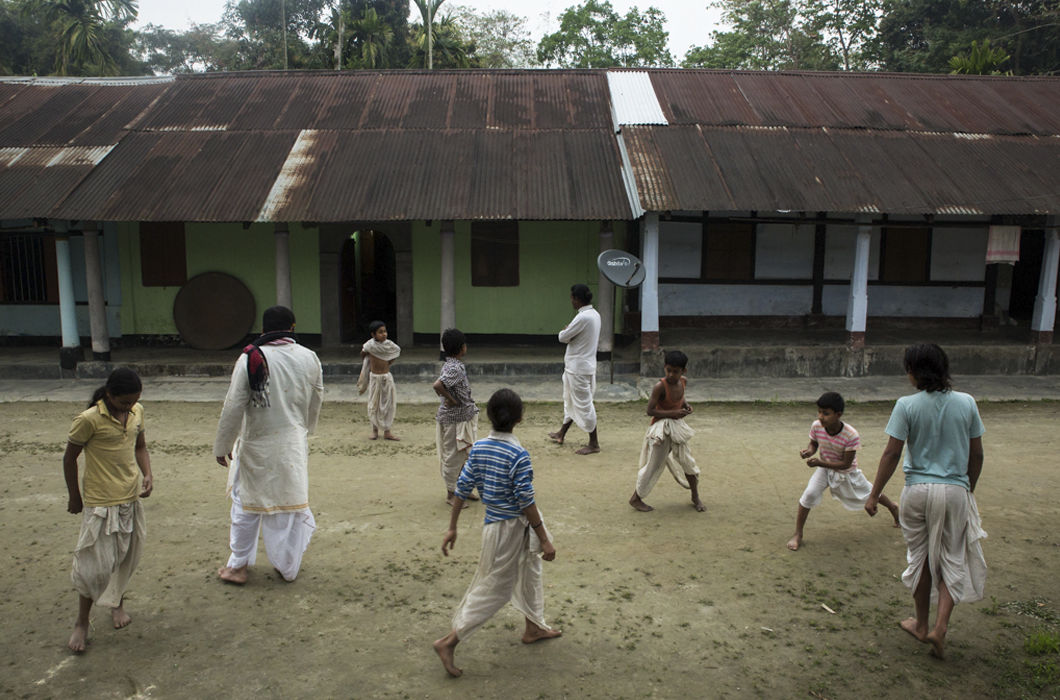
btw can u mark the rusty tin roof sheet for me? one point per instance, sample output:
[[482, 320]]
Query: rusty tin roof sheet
[[906, 144], [401, 145]]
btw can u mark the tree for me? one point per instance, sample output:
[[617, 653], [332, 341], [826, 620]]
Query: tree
[[264, 30], [981, 60], [593, 35], [374, 37], [392, 13], [923, 35], [767, 35], [500, 38], [428, 9], [849, 29], [203, 47], [449, 48], [91, 37]]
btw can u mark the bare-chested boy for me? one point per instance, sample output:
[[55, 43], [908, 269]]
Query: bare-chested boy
[[666, 442]]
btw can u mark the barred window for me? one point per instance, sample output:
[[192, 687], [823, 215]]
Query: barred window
[[28, 271]]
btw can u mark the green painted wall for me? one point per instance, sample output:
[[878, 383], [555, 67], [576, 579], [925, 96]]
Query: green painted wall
[[553, 255], [247, 254]]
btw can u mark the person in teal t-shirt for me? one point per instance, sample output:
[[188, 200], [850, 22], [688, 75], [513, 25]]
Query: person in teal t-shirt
[[939, 515]]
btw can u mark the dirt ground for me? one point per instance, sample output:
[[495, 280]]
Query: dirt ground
[[668, 604]]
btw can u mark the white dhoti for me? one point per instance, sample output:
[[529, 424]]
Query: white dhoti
[[851, 489], [453, 441], [666, 443], [108, 550], [578, 390], [286, 533], [942, 530], [382, 401], [509, 569]]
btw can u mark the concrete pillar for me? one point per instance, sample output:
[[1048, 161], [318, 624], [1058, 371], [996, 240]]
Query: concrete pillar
[[97, 304], [606, 293], [1044, 317], [447, 297], [858, 302], [649, 291], [283, 266], [71, 352]]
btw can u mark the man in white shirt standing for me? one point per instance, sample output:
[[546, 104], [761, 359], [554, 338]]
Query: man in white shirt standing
[[582, 336], [272, 405]]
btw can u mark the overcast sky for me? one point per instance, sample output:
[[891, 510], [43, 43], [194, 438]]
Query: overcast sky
[[688, 21]]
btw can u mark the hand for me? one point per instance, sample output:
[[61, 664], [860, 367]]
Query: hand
[[813, 462], [805, 453], [688, 409], [870, 505], [450, 540], [148, 485], [75, 505], [548, 552], [221, 460]]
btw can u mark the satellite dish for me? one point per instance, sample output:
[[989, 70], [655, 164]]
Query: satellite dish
[[621, 268]]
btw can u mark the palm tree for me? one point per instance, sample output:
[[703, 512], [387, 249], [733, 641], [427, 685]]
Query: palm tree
[[374, 37], [428, 8], [453, 51], [81, 27]]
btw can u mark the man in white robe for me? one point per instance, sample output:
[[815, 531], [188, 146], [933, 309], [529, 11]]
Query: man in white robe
[[272, 405], [582, 336]]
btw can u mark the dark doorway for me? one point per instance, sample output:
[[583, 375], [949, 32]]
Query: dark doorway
[[368, 285], [1025, 275]]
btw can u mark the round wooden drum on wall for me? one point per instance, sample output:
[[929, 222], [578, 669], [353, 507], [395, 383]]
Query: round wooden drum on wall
[[213, 311]]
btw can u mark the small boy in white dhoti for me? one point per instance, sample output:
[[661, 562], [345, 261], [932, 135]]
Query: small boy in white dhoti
[[111, 435], [940, 517], [667, 441], [379, 353], [835, 467], [514, 538], [457, 418]]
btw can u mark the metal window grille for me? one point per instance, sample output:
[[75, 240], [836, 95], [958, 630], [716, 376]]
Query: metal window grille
[[22, 269]]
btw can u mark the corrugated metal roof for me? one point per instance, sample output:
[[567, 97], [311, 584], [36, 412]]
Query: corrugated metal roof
[[777, 168], [401, 145], [970, 104], [633, 97], [394, 145]]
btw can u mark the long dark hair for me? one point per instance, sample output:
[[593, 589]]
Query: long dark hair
[[121, 382], [930, 367]]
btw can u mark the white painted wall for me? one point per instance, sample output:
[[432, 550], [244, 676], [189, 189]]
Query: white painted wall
[[734, 300], [784, 252], [915, 302]]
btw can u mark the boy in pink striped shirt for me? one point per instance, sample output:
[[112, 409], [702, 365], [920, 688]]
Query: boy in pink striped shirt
[[836, 466]]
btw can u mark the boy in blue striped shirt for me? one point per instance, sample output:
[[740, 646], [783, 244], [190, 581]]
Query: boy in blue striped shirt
[[514, 538]]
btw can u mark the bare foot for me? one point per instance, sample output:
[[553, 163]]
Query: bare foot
[[390, 436], [795, 542], [230, 575], [79, 639], [445, 653], [910, 626], [374, 436], [536, 634], [640, 505], [472, 497], [938, 644], [120, 617], [449, 502], [698, 505], [557, 438], [588, 450]]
